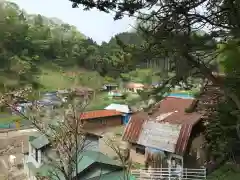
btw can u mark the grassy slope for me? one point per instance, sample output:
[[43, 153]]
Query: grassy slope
[[52, 80], [102, 100], [53, 77]]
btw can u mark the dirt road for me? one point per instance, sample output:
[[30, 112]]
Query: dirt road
[[14, 143]]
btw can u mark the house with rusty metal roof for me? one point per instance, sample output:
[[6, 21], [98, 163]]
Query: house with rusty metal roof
[[168, 131], [100, 119]]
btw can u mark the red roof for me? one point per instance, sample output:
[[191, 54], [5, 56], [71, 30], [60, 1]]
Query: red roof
[[183, 138], [134, 127], [99, 114], [170, 104], [176, 109]]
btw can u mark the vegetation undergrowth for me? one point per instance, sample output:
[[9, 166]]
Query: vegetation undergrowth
[[226, 172]]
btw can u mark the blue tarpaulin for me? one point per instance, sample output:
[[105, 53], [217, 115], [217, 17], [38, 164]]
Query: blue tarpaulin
[[125, 118]]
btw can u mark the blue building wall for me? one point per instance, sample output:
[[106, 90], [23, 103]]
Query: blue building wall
[[125, 118]]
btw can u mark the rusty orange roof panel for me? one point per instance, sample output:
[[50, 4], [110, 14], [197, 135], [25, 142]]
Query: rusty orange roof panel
[[99, 114]]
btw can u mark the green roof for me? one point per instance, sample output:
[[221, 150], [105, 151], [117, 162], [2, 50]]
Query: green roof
[[86, 159], [32, 167], [99, 157], [39, 141], [31, 138], [89, 157]]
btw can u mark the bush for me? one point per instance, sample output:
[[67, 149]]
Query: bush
[[188, 110]]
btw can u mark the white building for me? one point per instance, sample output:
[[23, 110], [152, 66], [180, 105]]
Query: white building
[[134, 87], [34, 159]]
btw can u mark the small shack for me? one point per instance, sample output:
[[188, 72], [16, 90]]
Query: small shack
[[109, 87], [123, 108]]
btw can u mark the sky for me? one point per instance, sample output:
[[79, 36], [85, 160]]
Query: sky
[[97, 25]]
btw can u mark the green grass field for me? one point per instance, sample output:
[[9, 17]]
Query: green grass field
[[7, 118], [102, 100], [53, 77], [226, 172], [52, 80]]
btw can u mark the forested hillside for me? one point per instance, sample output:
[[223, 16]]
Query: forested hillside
[[30, 42]]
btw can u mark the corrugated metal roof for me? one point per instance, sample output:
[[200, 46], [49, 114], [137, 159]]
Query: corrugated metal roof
[[183, 138], [134, 127], [99, 113], [159, 135], [40, 142], [174, 110], [119, 107], [85, 160], [169, 104]]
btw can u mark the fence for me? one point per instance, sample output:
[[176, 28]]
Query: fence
[[169, 174], [13, 125]]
